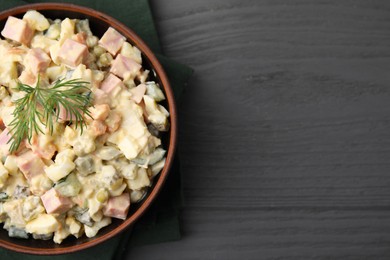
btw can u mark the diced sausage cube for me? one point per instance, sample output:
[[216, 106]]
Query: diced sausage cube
[[54, 202], [112, 84], [100, 97], [113, 121], [100, 112], [117, 207], [17, 30], [138, 92], [72, 53], [42, 146], [80, 37], [37, 60], [112, 41], [124, 67], [27, 77], [5, 136], [65, 115], [30, 164], [98, 127]]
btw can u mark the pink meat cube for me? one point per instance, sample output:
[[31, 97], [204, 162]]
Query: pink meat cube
[[100, 112], [18, 30], [98, 127], [37, 60], [41, 147], [27, 77], [100, 97], [72, 53], [54, 202], [117, 207], [138, 93], [64, 115], [112, 41], [111, 84], [5, 136], [113, 122], [124, 67], [30, 164], [80, 37]]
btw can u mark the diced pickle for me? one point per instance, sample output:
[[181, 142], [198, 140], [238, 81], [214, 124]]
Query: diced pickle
[[150, 159], [153, 130], [108, 153], [85, 165], [137, 195], [70, 187], [81, 214], [153, 90], [157, 167], [43, 236], [17, 232], [21, 192], [83, 26], [3, 196], [104, 60]]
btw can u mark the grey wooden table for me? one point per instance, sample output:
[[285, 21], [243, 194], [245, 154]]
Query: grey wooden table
[[284, 128]]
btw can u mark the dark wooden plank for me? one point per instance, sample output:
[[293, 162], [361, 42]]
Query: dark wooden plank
[[276, 234], [288, 106], [284, 129]]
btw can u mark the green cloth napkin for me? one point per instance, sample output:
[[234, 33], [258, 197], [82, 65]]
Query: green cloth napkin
[[161, 222]]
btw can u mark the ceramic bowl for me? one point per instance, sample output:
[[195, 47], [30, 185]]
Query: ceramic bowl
[[99, 23]]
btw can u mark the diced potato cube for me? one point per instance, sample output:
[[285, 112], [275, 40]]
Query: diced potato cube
[[40, 184], [53, 32], [56, 72], [74, 226], [92, 231], [36, 20], [11, 164], [58, 171], [140, 182], [67, 29], [3, 175], [43, 42], [131, 52], [43, 224]]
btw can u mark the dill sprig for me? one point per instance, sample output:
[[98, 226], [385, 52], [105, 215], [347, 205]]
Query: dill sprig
[[42, 105]]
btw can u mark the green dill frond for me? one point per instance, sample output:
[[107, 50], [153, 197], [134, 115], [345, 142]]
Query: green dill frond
[[41, 106]]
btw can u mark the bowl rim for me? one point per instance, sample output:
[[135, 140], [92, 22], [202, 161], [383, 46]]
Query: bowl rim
[[157, 67]]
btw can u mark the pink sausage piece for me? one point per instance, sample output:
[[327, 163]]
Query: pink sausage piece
[[72, 53], [138, 93], [112, 41], [17, 30], [117, 207], [5, 136], [30, 164], [54, 202], [111, 84], [123, 66], [37, 60]]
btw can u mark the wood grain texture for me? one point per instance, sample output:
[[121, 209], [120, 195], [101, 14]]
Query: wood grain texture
[[284, 128]]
